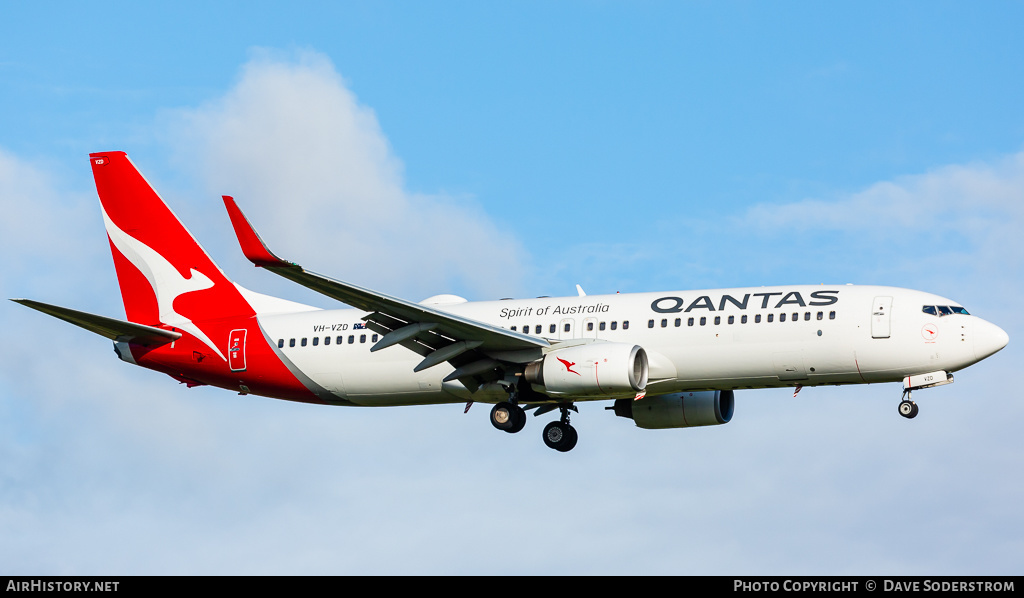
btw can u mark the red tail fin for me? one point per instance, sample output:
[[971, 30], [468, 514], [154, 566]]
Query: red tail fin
[[165, 275]]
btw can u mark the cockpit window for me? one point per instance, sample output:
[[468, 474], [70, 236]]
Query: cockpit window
[[944, 310]]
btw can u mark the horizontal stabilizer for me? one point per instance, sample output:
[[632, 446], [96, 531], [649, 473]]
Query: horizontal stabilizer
[[115, 330]]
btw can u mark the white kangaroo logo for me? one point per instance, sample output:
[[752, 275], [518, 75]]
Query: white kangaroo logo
[[168, 284]]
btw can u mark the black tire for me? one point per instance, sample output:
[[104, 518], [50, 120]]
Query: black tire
[[518, 420], [908, 409], [570, 440], [503, 416], [913, 412], [559, 436], [555, 434]]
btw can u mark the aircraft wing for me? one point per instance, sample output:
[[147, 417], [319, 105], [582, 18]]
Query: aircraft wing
[[115, 330], [474, 348]]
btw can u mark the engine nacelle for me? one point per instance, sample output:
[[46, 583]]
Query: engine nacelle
[[679, 410], [592, 370]]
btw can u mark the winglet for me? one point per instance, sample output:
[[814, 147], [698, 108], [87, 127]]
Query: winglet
[[252, 245]]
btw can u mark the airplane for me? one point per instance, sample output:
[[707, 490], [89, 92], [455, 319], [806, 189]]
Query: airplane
[[665, 360]]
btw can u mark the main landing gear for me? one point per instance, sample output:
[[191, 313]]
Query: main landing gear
[[508, 416], [908, 408], [559, 435]]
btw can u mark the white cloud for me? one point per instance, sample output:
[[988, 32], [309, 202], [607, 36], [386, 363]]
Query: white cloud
[[981, 202], [44, 230], [313, 170]]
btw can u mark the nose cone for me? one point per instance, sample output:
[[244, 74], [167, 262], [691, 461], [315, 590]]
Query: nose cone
[[988, 338]]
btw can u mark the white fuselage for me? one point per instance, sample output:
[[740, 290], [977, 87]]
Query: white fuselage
[[695, 340]]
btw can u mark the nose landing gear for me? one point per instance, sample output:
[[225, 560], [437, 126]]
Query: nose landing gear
[[908, 408]]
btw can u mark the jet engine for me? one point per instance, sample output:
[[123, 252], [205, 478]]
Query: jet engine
[[592, 370], [678, 410]]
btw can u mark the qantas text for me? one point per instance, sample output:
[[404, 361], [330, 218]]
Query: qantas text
[[674, 305]]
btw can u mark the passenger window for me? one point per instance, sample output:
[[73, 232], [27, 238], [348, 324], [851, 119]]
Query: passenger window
[[831, 315], [615, 325], [703, 320], [782, 317], [601, 326], [551, 329], [351, 339], [650, 323], [796, 317], [280, 344], [590, 326], [303, 342], [771, 317], [625, 324], [537, 329], [316, 340], [678, 322], [362, 338], [718, 320], [689, 322], [821, 315], [291, 342], [807, 316], [373, 338], [513, 329], [743, 319], [732, 319], [664, 322], [327, 340], [757, 318], [339, 340], [567, 327]]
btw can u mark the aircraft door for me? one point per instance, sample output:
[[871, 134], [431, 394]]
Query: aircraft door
[[567, 329], [880, 317], [236, 350]]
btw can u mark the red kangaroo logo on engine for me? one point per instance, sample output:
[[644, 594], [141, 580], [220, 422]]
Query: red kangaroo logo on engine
[[568, 365]]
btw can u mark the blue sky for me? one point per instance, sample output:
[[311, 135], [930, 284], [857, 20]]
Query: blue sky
[[514, 149]]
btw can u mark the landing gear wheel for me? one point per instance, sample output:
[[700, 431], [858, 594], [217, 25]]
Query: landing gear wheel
[[519, 421], [908, 409], [560, 436], [571, 442], [508, 417]]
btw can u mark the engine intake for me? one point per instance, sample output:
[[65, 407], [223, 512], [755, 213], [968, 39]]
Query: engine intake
[[679, 410]]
